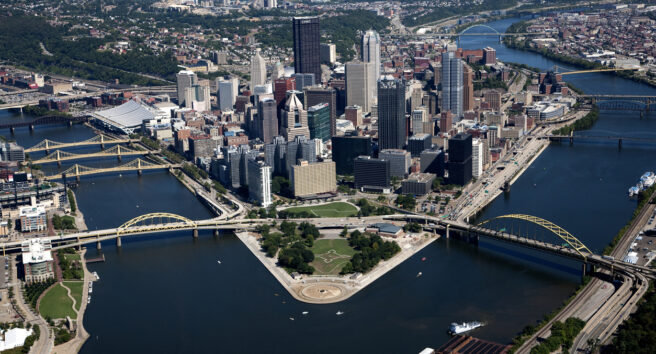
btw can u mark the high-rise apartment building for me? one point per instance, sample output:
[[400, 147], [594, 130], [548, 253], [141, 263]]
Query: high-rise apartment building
[[300, 149], [258, 70], [452, 94], [275, 155], [360, 85], [391, 113], [313, 178], [489, 56], [307, 49]]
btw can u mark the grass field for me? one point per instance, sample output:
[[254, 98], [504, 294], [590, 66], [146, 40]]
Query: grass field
[[71, 256], [76, 291], [56, 304], [331, 210], [330, 256]]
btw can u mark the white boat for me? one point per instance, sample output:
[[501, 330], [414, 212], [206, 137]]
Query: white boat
[[89, 300], [291, 318], [95, 274], [90, 290], [633, 191], [218, 261], [305, 312], [419, 274], [457, 328], [339, 313]]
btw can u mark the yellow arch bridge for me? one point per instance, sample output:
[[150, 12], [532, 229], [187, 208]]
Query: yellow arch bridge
[[572, 241], [138, 165], [116, 150], [46, 145]]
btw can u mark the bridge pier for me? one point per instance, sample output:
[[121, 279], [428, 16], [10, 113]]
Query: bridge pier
[[77, 178], [194, 233], [619, 143], [139, 172], [98, 245], [70, 123], [59, 163], [447, 232], [31, 127], [119, 158], [12, 130], [118, 241], [216, 232], [571, 140]]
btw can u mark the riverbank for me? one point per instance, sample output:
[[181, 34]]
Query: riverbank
[[332, 289]]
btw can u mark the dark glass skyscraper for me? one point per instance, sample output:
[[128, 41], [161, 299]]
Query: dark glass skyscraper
[[391, 113], [307, 49], [460, 159]]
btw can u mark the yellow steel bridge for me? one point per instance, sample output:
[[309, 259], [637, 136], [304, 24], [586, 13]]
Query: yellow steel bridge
[[116, 150], [101, 139], [139, 165]]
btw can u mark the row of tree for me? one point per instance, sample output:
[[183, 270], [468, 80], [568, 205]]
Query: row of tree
[[291, 244], [371, 249]]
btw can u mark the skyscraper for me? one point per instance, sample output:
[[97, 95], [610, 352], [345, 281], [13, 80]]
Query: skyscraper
[[318, 117], [294, 119], [280, 88], [346, 149], [307, 49], [228, 93], [359, 85], [460, 159], [317, 94], [452, 84], [467, 88], [185, 79], [304, 80], [299, 149], [259, 182], [477, 158], [391, 113], [266, 124], [371, 52], [258, 69]]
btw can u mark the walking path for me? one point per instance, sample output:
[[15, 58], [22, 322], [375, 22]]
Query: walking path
[[70, 296]]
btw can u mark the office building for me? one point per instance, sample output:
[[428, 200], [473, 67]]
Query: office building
[[460, 159], [360, 85], [489, 56], [446, 122], [202, 146], [33, 218], [477, 158], [420, 121], [391, 113], [259, 183], [300, 149], [371, 173], [354, 115], [294, 119], [307, 50], [309, 179], [12, 152], [418, 184], [266, 122], [303, 80], [185, 79], [418, 143], [197, 97], [316, 94], [346, 149], [328, 53], [400, 161], [452, 76], [280, 88], [236, 160], [37, 260], [258, 70], [319, 124], [467, 88], [432, 161], [260, 92], [370, 50], [228, 90], [493, 99], [275, 154]]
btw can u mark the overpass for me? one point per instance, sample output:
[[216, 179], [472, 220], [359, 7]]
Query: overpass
[[118, 151], [46, 145]]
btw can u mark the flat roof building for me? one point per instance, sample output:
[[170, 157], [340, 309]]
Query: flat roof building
[[37, 260]]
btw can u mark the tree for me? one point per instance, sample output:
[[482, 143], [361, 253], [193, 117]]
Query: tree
[[407, 201]]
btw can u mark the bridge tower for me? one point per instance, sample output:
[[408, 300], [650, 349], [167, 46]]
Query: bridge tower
[[98, 244], [77, 172], [102, 141], [118, 152], [139, 167], [47, 144], [59, 163]]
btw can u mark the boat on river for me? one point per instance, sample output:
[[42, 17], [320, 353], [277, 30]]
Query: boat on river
[[458, 328]]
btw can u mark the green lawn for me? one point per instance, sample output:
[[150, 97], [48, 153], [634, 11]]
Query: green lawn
[[56, 304], [71, 256], [76, 291], [331, 210], [330, 256]]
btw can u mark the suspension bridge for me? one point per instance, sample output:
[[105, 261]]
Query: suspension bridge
[[47, 144], [138, 165], [118, 151], [622, 102], [50, 119]]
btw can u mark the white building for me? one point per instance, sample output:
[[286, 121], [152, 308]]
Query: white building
[[33, 218], [228, 90], [186, 79], [360, 85], [328, 53], [14, 337], [477, 158], [371, 51], [258, 69], [37, 260], [259, 182], [419, 120]]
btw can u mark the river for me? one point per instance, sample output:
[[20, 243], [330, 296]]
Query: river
[[167, 293]]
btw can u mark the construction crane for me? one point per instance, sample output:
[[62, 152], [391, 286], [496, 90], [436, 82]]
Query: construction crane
[[556, 67]]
